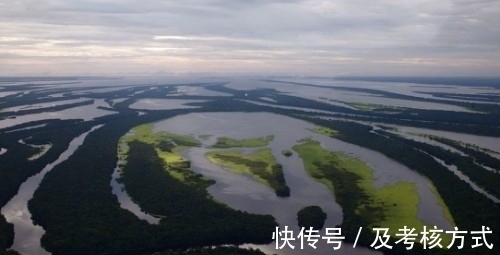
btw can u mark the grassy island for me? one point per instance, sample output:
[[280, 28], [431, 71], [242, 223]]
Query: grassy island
[[227, 142], [168, 147], [351, 180], [287, 153], [260, 165], [325, 131]]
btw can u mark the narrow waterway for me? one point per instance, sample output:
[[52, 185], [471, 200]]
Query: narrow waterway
[[27, 234], [126, 202], [466, 179]]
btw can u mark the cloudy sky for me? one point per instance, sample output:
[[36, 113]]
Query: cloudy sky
[[300, 37]]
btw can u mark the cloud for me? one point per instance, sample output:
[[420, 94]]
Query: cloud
[[255, 36]]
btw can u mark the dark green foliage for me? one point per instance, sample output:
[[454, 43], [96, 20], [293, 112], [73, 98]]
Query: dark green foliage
[[16, 168], [476, 153], [311, 216], [275, 178], [470, 209], [8, 252], [75, 206], [157, 192], [6, 233], [278, 181], [465, 164], [166, 146]]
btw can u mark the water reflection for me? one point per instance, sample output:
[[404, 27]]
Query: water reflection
[[124, 199]]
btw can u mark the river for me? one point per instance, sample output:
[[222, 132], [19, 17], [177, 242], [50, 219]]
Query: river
[[27, 234]]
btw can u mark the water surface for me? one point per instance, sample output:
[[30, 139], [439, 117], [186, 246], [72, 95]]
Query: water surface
[[243, 193]]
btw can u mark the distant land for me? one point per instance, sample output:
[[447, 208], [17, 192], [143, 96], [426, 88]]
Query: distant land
[[196, 165]]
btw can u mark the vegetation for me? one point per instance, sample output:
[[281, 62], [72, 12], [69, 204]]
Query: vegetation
[[391, 206], [287, 153], [311, 216], [226, 142], [260, 165], [8, 252], [17, 166], [325, 131], [480, 155], [168, 146], [76, 195], [446, 183], [364, 106], [6, 234], [158, 193], [465, 164], [75, 206], [351, 180], [144, 133]]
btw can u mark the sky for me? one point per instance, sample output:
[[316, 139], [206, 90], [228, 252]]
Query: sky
[[251, 37]]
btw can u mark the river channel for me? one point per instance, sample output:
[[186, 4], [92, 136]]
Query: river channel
[[27, 234]]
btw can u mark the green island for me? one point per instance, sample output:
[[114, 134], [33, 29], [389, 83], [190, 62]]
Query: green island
[[287, 153], [363, 106], [372, 107], [227, 142], [325, 131], [351, 180], [168, 146], [311, 216], [260, 165]]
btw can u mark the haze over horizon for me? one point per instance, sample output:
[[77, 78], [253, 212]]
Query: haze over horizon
[[300, 37]]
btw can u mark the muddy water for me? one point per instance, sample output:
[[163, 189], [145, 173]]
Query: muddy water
[[27, 234], [241, 192]]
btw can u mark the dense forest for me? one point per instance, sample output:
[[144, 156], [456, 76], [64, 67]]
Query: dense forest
[[311, 217], [75, 206]]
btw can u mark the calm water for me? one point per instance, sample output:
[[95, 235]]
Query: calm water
[[487, 142], [164, 104], [241, 192], [86, 112], [124, 199]]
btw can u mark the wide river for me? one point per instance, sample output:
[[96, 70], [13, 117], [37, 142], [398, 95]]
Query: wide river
[[243, 193]]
